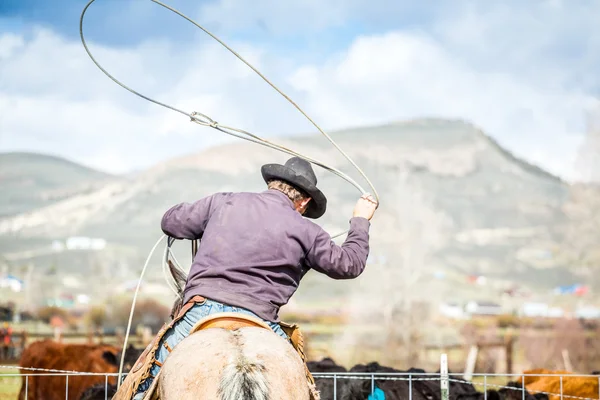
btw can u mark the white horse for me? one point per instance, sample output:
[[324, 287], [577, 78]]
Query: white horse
[[250, 363]]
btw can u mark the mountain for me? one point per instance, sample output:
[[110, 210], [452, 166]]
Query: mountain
[[29, 181], [452, 203]]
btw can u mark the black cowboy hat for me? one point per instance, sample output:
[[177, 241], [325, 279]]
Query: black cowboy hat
[[299, 173]]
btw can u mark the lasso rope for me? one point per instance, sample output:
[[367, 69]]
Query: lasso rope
[[137, 289], [205, 120]]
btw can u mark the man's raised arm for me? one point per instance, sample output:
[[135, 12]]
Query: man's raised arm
[[348, 260]]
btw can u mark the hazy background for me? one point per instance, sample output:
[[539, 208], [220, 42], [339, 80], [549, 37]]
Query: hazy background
[[477, 122]]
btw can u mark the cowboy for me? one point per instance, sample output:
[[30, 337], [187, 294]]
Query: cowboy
[[256, 247]]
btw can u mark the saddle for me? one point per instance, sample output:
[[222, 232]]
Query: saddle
[[230, 321]]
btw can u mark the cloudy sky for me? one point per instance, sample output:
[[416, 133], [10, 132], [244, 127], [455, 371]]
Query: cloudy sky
[[524, 71]]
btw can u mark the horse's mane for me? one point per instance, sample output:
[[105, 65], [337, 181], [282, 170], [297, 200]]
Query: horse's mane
[[179, 278]]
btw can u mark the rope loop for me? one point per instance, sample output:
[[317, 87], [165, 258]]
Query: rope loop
[[209, 122], [203, 119]]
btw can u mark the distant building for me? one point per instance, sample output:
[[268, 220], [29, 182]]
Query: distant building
[[58, 246], [541, 310], [85, 243], [64, 300], [588, 312], [483, 308], [556, 312], [83, 299], [534, 310], [576, 289], [452, 310], [12, 283]]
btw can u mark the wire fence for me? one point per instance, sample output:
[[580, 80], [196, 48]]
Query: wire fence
[[336, 386], [480, 384]]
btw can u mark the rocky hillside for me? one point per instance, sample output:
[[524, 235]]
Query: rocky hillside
[[31, 181], [452, 200]]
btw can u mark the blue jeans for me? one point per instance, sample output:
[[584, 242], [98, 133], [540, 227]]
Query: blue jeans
[[181, 329]]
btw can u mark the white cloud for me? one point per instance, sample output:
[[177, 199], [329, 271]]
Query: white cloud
[[55, 100], [9, 42], [398, 75], [523, 71]]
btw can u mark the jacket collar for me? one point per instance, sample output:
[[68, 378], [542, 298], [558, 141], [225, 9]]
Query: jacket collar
[[281, 196]]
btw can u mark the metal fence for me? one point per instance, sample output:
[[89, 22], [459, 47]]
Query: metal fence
[[13, 383], [481, 383], [409, 385], [406, 385]]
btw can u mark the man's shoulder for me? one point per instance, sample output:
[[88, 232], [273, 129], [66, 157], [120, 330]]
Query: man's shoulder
[[309, 226], [227, 194], [222, 196]]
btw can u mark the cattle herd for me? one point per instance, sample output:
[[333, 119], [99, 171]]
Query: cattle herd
[[92, 358], [102, 358], [430, 389]]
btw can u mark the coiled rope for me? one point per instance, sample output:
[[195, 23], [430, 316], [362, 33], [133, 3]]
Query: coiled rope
[[205, 120]]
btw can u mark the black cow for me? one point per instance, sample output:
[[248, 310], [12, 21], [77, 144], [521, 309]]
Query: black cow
[[325, 385], [420, 387], [99, 392], [394, 389]]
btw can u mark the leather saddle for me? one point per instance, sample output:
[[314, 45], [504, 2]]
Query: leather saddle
[[230, 321]]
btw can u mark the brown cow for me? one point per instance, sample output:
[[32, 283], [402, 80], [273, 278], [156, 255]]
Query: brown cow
[[536, 375], [572, 385], [48, 354]]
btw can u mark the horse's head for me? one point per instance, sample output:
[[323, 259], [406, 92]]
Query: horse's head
[[179, 278]]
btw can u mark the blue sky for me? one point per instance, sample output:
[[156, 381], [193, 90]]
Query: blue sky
[[526, 72]]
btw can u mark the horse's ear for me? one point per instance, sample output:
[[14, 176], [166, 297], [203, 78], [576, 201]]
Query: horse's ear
[[178, 275]]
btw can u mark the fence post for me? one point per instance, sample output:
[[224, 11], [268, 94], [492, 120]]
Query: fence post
[[120, 337], [334, 386], [471, 361], [445, 392], [567, 360], [510, 341], [90, 336], [57, 334]]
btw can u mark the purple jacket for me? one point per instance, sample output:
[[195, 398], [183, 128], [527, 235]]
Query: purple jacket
[[256, 247]]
